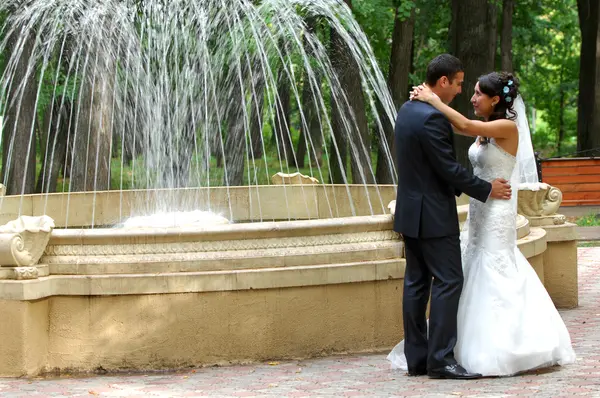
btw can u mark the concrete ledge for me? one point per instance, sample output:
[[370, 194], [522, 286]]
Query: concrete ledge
[[561, 233], [588, 233], [196, 282], [157, 263], [533, 244], [244, 203], [523, 227], [262, 230]]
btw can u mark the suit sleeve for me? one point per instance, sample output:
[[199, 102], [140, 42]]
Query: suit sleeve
[[437, 147]]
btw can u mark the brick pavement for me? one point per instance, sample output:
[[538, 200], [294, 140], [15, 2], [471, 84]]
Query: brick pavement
[[349, 376]]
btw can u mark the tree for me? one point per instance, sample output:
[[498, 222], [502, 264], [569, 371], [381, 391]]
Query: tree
[[53, 144], [18, 134], [310, 132], [256, 112], [90, 170], [338, 151], [473, 25], [349, 119], [398, 77], [234, 156], [432, 35], [506, 63], [588, 123], [282, 113]]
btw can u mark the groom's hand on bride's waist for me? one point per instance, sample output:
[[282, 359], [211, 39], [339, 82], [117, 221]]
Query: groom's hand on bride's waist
[[500, 189]]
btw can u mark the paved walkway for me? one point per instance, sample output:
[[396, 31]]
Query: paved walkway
[[367, 375]]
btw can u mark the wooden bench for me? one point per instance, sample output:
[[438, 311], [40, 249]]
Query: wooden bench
[[577, 178]]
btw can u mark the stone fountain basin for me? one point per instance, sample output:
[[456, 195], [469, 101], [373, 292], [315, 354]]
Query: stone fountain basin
[[108, 261], [220, 258], [168, 298], [251, 255]]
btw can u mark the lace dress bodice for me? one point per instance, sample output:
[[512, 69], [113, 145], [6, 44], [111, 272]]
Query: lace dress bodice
[[490, 161], [491, 226]]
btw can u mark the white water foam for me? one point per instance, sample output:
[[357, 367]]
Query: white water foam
[[196, 218]]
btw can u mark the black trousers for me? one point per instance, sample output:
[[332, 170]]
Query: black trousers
[[433, 266]]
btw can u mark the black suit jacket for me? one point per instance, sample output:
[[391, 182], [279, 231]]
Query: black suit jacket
[[429, 176]]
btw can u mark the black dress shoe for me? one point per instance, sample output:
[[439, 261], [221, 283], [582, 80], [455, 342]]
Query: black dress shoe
[[452, 372], [417, 372]]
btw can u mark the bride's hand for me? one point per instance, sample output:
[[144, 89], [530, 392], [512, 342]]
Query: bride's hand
[[422, 93]]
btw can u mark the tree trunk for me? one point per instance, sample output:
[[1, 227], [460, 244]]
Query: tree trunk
[[282, 118], [399, 69], [453, 29], [561, 120], [235, 154], [506, 36], [338, 142], [256, 113], [310, 109], [302, 146], [492, 25], [588, 112], [350, 113], [472, 47], [54, 148], [18, 135], [90, 170]]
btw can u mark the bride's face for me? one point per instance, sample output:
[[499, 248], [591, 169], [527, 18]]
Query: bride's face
[[483, 104]]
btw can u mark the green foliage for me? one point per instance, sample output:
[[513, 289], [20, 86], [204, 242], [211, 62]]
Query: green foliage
[[405, 9], [546, 45], [376, 17], [546, 56], [591, 220]]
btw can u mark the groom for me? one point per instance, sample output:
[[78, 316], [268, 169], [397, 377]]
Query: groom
[[429, 177]]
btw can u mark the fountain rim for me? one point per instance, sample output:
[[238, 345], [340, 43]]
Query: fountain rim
[[240, 204], [208, 188], [264, 229]]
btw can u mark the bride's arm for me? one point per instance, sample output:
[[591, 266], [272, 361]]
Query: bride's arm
[[502, 128], [457, 131]]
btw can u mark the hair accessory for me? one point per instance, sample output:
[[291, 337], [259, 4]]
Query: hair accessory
[[506, 89], [510, 82], [508, 99]]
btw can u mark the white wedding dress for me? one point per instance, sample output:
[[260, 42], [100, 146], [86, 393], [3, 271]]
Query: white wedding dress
[[507, 322]]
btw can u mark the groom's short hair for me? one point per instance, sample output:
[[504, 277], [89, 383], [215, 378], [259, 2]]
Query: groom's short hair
[[443, 65]]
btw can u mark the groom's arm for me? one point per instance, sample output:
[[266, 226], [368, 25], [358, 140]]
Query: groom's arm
[[438, 149]]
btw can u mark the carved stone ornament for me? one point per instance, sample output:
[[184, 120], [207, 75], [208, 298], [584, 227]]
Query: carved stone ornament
[[22, 273], [23, 241], [539, 200], [392, 207], [293, 179]]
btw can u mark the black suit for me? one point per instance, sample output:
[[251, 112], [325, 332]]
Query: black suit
[[429, 177]]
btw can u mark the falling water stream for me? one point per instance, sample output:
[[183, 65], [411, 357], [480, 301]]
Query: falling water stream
[[184, 93]]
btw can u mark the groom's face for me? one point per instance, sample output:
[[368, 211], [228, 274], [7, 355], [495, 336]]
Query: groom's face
[[451, 88]]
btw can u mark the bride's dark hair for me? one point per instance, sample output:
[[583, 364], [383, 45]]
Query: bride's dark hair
[[505, 86]]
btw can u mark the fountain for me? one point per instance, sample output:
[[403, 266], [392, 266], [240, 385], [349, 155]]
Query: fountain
[[183, 229]]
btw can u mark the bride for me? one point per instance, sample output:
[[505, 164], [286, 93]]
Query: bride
[[507, 323]]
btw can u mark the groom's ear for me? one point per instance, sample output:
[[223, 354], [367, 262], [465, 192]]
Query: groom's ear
[[444, 81]]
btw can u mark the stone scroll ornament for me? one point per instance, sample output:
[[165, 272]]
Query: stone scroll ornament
[[22, 243], [539, 200]]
